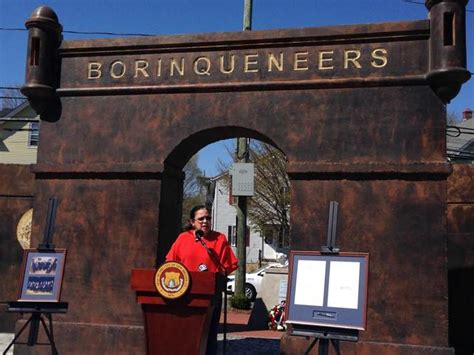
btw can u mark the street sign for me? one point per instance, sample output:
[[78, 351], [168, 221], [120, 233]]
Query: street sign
[[242, 179]]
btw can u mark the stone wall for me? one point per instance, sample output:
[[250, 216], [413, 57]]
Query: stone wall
[[460, 212], [16, 197]]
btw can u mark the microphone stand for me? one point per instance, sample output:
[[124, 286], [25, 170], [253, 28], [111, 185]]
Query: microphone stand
[[216, 260]]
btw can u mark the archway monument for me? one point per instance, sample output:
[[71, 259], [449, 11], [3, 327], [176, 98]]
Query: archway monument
[[358, 110]]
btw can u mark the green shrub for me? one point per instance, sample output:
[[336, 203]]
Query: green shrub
[[240, 302]]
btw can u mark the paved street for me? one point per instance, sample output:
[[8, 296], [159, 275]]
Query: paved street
[[238, 345]]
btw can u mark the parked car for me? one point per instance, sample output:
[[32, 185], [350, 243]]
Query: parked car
[[253, 282]]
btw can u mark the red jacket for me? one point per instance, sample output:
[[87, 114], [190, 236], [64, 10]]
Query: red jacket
[[194, 255]]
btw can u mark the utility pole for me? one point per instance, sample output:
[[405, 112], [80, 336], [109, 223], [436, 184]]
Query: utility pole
[[242, 157], [247, 15]]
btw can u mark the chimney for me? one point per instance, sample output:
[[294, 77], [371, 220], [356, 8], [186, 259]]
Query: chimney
[[467, 114]]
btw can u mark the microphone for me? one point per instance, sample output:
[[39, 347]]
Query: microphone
[[198, 235]]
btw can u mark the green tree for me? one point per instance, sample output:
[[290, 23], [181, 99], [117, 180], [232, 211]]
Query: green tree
[[11, 98], [270, 205], [271, 202]]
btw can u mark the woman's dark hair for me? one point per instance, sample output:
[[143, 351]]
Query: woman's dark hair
[[192, 213]]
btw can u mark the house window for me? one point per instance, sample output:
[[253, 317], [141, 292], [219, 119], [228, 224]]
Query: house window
[[276, 235], [232, 235], [268, 234], [33, 136]]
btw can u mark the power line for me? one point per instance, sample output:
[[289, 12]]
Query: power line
[[422, 3], [85, 32], [109, 33], [8, 88], [147, 34], [456, 131], [459, 154], [20, 129], [19, 120]]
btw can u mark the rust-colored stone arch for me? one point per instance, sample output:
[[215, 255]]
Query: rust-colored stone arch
[[190, 145], [172, 178], [358, 110]]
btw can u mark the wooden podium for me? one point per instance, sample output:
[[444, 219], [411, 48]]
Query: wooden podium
[[177, 326]]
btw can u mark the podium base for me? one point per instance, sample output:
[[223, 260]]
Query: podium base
[[184, 331]]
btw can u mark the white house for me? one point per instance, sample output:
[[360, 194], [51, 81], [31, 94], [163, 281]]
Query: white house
[[19, 133], [261, 245], [460, 140]]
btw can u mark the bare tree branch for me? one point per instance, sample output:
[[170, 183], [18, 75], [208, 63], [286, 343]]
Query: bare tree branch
[[11, 98]]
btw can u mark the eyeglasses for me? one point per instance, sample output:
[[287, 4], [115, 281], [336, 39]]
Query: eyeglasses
[[200, 219]]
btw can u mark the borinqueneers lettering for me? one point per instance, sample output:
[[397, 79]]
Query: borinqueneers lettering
[[176, 66]]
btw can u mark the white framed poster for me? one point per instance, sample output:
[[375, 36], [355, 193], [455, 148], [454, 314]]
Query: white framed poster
[[328, 289]]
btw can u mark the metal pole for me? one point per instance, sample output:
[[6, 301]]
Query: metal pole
[[242, 150], [242, 157], [247, 15]]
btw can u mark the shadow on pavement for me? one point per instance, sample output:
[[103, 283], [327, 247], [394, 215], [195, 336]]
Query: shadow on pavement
[[250, 346], [259, 316]]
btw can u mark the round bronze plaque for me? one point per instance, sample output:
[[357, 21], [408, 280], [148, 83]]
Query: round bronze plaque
[[23, 229], [172, 280]]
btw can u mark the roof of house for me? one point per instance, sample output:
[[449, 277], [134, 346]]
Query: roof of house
[[460, 140], [5, 111], [23, 112], [11, 112]]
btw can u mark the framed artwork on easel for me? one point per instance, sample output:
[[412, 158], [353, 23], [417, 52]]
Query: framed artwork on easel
[[328, 290], [42, 275]]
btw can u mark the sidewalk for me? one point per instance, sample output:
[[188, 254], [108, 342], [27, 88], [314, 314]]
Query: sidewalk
[[5, 339], [240, 323], [248, 334]]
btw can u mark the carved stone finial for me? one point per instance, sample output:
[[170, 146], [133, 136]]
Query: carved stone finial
[[43, 63], [45, 16], [447, 70], [430, 3]]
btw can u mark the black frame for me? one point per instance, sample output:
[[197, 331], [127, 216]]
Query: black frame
[[326, 312]]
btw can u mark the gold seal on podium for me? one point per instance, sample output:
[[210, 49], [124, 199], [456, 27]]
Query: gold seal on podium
[[172, 280]]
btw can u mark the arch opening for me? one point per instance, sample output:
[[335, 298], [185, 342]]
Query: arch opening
[[268, 218]]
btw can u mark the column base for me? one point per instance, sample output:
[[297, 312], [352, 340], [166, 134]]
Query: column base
[[299, 345], [84, 338]]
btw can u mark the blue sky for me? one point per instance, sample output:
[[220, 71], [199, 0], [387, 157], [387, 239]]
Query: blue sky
[[186, 16]]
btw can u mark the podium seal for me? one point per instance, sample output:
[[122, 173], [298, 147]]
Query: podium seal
[[172, 280]]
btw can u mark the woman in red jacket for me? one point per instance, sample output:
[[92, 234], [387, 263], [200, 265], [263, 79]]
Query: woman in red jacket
[[201, 249]]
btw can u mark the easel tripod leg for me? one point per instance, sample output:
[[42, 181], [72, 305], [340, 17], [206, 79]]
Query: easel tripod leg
[[335, 343], [323, 347], [17, 336], [49, 333], [34, 328], [311, 346]]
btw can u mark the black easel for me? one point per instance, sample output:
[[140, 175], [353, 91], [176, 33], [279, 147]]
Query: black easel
[[40, 310], [327, 335], [331, 247], [47, 245], [216, 260]]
